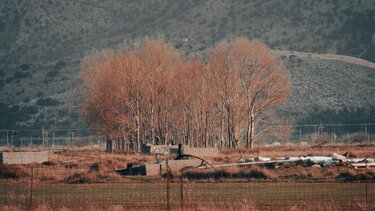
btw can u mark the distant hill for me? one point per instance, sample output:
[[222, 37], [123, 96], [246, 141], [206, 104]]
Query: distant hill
[[43, 41]]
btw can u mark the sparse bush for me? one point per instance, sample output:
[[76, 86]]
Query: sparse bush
[[53, 73], [25, 66], [230, 173], [322, 139], [59, 65], [13, 171], [19, 75], [47, 102], [355, 138]]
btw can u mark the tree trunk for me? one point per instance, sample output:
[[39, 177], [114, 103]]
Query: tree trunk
[[122, 144], [108, 145], [206, 131], [229, 127], [138, 118], [221, 128], [184, 128], [250, 131], [153, 127]]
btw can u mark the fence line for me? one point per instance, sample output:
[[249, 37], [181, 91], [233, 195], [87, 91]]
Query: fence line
[[68, 188], [82, 136]]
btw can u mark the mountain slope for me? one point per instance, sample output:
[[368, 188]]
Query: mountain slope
[[43, 41]]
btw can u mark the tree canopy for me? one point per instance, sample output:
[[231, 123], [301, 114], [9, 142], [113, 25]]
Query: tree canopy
[[149, 93]]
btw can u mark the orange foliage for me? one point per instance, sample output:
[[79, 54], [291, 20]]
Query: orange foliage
[[149, 93]]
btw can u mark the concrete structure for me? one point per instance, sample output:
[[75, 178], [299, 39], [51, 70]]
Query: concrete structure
[[167, 149], [23, 157], [155, 169], [155, 149], [202, 152]]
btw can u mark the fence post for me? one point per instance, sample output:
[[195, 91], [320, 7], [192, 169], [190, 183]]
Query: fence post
[[181, 191], [366, 185], [31, 188], [43, 136], [167, 169]]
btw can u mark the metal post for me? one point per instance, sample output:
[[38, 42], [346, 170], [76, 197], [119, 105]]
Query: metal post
[[167, 171], [366, 186], [69, 137], [7, 138], [316, 134], [181, 191], [11, 138], [72, 139], [31, 188], [43, 136], [366, 132]]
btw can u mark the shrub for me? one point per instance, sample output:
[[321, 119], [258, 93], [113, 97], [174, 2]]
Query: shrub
[[13, 171], [231, 173], [47, 102]]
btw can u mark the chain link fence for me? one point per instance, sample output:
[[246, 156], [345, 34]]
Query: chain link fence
[[338, 133], [43, 187], [318, 133], [49, 138]]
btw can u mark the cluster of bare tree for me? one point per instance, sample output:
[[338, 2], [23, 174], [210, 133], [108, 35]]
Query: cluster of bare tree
[[149, 93]]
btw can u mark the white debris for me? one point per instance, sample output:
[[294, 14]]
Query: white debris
[[276, 144], [262, 159], [328, 163], [356, 160], [339, 157], [294, 158], [317, 159], [314, 161], [370, 160]]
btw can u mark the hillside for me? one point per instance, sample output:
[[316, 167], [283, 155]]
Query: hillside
[[42, 43]]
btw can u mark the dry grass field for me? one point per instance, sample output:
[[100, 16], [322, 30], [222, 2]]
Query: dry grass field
[[83, 179], [91, 164]]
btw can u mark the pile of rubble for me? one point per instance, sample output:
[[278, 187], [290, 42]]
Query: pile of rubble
[[183, 161], [312, 161]]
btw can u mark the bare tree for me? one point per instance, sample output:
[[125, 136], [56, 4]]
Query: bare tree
[[148, 93], [264, 82]]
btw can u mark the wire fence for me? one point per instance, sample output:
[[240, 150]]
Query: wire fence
[[49, 138], [84, 137], [43, 188], [333, 133], [89, 185]]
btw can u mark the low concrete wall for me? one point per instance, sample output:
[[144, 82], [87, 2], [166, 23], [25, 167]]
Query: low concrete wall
[[155, 149], [172, 149], [23, 157], [154, 169], [202, 152]]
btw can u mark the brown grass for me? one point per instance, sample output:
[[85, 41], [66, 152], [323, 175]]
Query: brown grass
[[87, 165], [245, 204], [353, 150], [14, 171], [230, 173]]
